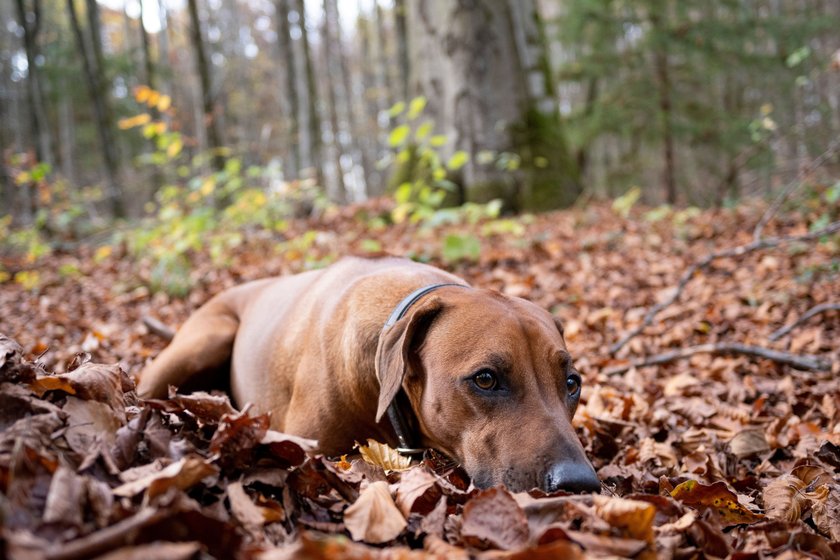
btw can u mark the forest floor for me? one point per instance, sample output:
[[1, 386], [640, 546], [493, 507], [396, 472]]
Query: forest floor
[[732, 452]]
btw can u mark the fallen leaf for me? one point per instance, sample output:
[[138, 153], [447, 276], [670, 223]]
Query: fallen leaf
[[374, 517], [716, 497], [633, 519], [182, 475], [493, 519], [382, 455]]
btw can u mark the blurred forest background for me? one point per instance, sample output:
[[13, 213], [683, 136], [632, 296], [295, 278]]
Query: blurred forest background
[[121, 108]]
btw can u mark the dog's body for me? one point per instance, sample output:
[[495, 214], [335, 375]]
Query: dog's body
[[311, 350]]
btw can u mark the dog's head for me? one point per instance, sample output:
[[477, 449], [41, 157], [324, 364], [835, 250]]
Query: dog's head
[[492, 385]]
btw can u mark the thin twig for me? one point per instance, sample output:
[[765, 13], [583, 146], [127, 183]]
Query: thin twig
[[766, 243], [829, 152], [806, 362], [816, 310], [158, 328]]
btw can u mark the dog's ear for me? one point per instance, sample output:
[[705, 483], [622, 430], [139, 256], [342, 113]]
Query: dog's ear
[[559, 324], [395, 346]]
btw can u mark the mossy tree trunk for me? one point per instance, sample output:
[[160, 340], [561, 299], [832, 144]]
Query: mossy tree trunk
[[483, 68]]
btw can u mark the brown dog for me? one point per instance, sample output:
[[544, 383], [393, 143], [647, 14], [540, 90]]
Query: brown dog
[[483, 377]]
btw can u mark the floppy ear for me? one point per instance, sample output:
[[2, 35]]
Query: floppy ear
[[394, 349], [559, 324]]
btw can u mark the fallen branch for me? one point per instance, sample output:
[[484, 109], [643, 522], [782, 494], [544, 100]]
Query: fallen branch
[[704, 263], [806, 362], [816, 310], [158, 328]]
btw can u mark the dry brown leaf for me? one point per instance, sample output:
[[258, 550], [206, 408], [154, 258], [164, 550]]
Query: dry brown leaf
[[493, 519], [716, 497], [748, 442], [89, 422], [382, 455], [244, 510], [418, 491], [182, 475], [825, 509], [65, 502], [374, 517], [633, 518]]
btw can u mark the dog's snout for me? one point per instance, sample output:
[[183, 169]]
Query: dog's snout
[[573, 477]]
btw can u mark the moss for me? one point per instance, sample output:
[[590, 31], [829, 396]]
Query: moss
[[552, 178]]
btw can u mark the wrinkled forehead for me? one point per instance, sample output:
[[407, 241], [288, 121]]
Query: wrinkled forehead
[[476, 324]]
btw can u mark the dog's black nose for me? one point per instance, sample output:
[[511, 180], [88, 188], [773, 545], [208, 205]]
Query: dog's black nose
[[572, 477]]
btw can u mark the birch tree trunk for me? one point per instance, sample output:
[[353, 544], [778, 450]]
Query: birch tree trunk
[[480, 66]]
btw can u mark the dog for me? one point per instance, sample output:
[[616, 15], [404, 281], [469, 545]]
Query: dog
[[401, 352]]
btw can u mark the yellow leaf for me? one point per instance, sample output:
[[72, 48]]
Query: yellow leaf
[[153, 99], [102, 253], [164, 103], [28, 279], [208, 186], [173, 149], [141, 93], [382, 455], [131, 122]]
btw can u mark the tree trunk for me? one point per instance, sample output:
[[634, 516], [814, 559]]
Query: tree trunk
[[383, 60], [663, 82], [148, 63], [284, 41], [479, 66], [95, 77], [401, 17], [339, 194], [351, 103], [313, 116], [37, 110], [210, 113]]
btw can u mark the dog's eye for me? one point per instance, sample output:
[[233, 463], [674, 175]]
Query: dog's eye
[[485, 380], [573, 383]]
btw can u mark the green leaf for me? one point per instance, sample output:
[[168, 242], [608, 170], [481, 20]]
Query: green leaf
[[403, 193], [415, 108], [624, 203], [396, 109], [423, 131], [458, 247], [458, 160], [398, 136], [798, 56], [437, 140]]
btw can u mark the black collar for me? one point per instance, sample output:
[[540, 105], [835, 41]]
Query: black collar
[[399, 411]]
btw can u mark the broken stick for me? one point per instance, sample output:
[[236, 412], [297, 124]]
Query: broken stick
[[806, 362], [816, 310], [704, 263]]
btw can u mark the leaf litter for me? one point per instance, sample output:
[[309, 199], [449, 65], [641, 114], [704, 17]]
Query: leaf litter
[[721, 456]]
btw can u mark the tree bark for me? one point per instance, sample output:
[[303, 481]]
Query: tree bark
[[37, 110], [339, 194], [404, 61], [284, 41], [93, 66], [479, 66], [663, 83], [148, 63], [210, 113], [313, 115]]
